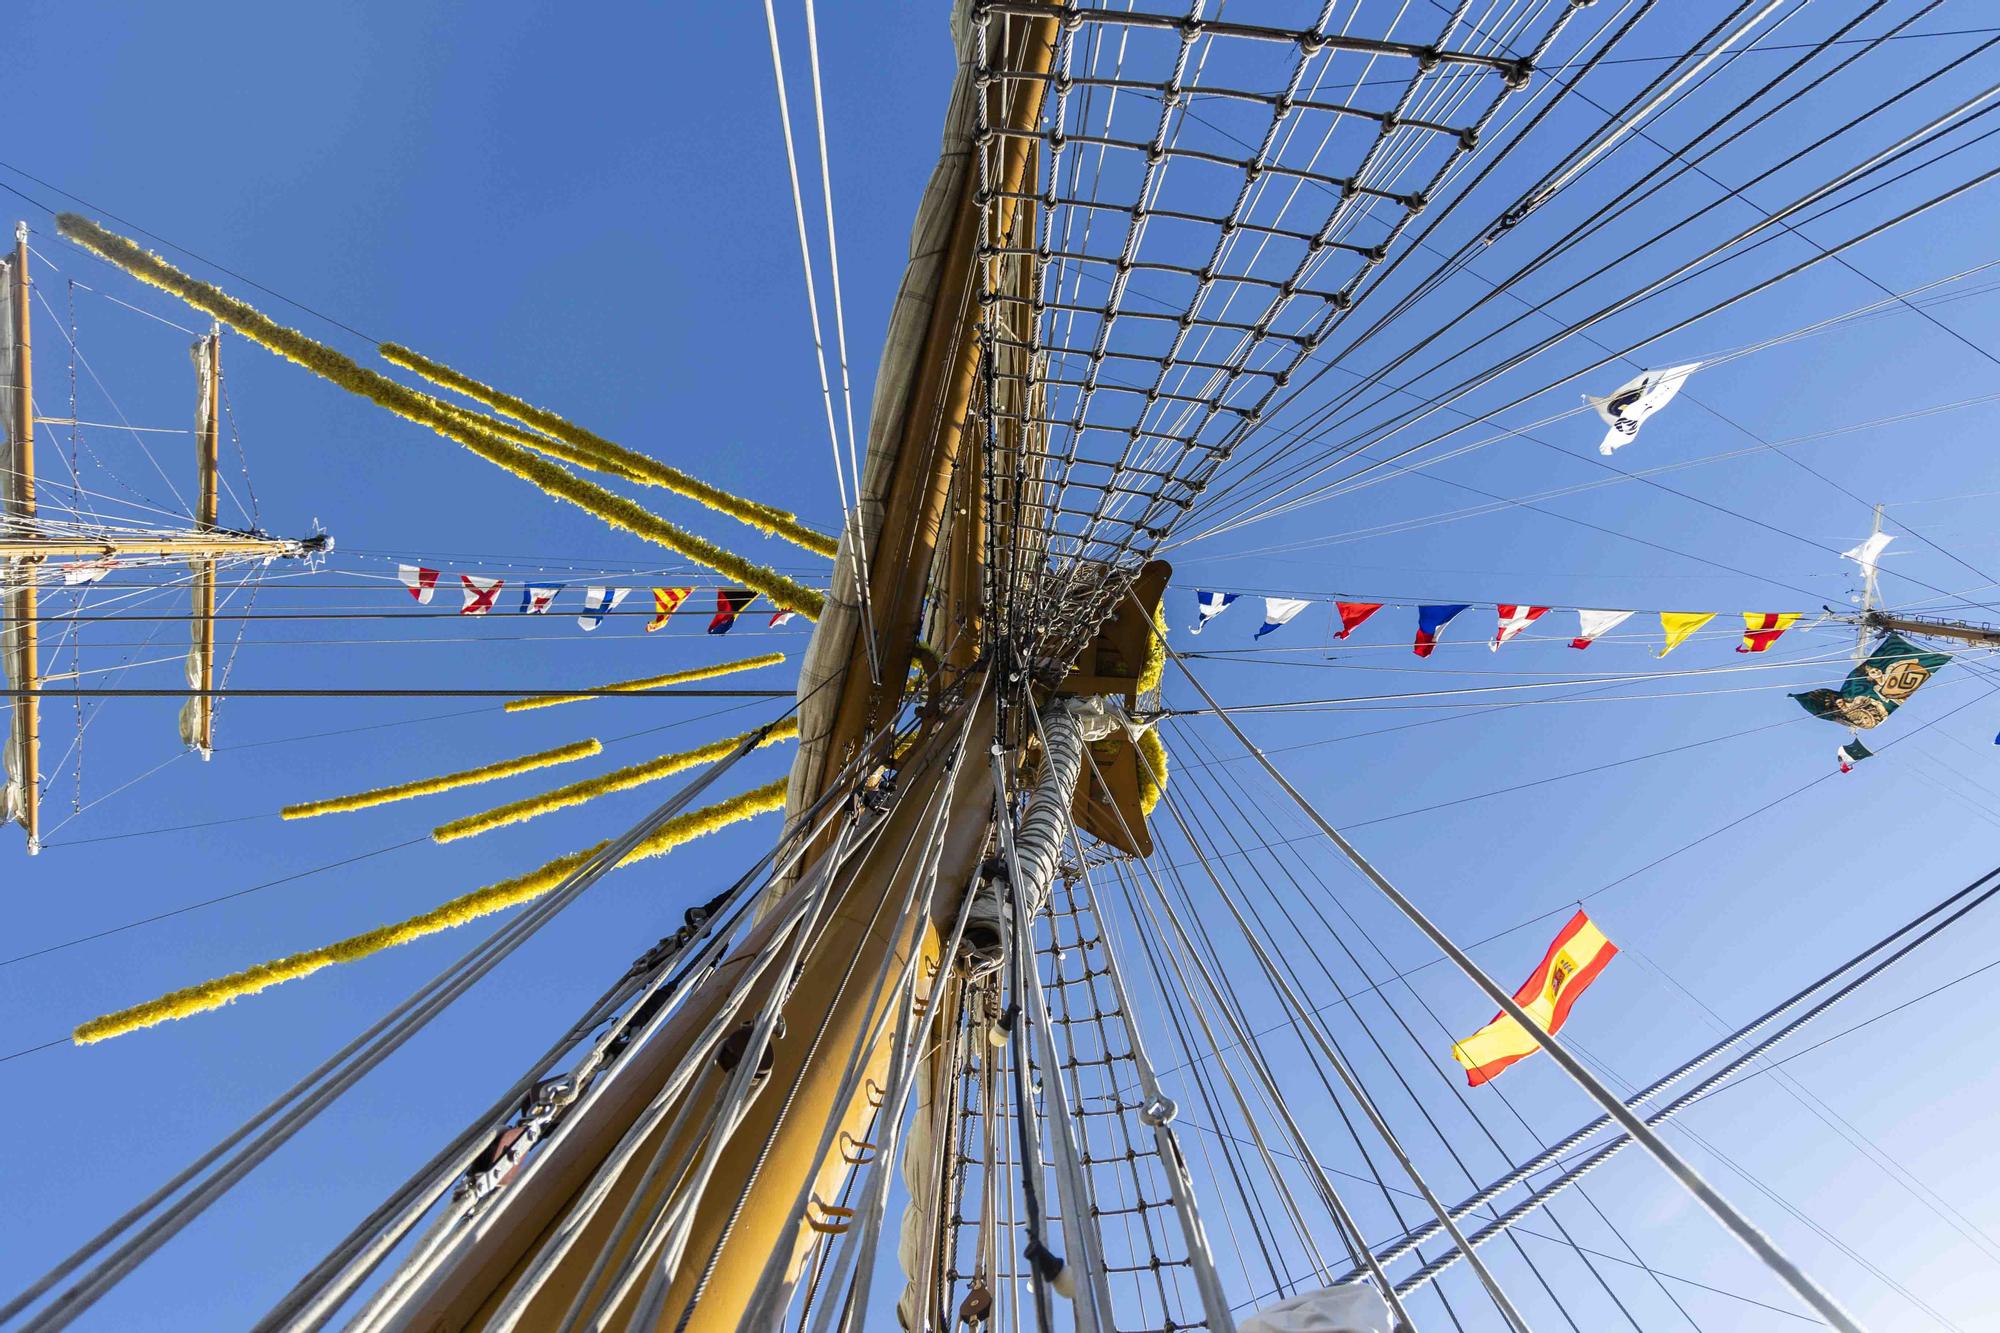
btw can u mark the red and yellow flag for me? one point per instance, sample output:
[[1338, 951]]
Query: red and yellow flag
[[665, 602], [1573, 961], [1762, 628]]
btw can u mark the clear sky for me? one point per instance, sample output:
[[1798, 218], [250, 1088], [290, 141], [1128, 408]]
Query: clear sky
[[591, 208]]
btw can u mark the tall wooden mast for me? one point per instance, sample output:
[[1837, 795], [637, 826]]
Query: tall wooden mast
[[517, 1266], [198, 714], [27, 547], [27, 656]]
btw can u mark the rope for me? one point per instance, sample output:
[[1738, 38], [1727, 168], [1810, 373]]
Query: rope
[[293, 1109], [1684, 1173]]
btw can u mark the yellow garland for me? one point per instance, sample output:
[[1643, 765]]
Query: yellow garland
[[466, 907], [618, 779], [613, 457], [1155, 666], [403, 791], [454, 424], [1152, 769], [651, 682], [528, 439]]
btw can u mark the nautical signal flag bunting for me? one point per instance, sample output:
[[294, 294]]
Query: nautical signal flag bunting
[[729, 603], [1209, 605], [1513, 619], [1278, 613], [665, 602], [420, 580], [1430, 620], [1677, 625], [1352, 614], [1590, 624], [1762, 628], [480, 594], [599, 603], [1578, 953]]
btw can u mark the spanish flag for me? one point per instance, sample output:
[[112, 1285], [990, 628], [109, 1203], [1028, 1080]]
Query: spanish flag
[[1573, 961]]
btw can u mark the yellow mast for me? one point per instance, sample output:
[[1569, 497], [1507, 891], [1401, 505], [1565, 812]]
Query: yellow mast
[[26, 547], [27, 664], [748, 1213], [198, 717]]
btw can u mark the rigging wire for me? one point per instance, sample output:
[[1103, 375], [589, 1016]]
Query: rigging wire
[[1853, 175]]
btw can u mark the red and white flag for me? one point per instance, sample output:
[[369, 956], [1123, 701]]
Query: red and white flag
[[78, 572], [421, 582], [782, 618], [1352, 614], [1514, 619], [480, 594], [1590, 624]]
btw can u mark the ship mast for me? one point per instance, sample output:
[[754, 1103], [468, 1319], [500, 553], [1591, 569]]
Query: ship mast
[[24, 782], [26, 547], [198, 713]]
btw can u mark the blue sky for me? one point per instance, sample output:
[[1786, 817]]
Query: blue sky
[[596, 214]]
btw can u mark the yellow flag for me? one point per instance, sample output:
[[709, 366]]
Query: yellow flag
[[1679, 624]]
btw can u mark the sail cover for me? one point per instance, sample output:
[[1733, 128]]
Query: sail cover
[[13, 800]]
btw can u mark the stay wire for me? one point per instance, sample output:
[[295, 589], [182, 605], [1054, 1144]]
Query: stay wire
[[1243, 818], [1224, 822], [1732, 1220], [1853, 175]]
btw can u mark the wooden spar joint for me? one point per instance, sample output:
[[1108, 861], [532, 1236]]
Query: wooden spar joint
[[832, 1219], [734, 1046], [857, 1152]]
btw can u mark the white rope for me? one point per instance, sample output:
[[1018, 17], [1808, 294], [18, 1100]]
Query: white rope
[[1678, 1167], [850, 511], [833, 267]]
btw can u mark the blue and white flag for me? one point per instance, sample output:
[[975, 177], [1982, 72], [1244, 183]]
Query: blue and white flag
[[537, 598], [1209, 605], [1278, 612], [599, 603]]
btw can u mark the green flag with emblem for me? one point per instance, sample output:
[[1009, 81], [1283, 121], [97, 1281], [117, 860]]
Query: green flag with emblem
[[1877, 686]]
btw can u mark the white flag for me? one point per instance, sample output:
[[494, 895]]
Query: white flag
[[1590, 624], [1638, 398], [1278, 611], [76, 572], [599, 603], [1866, 554]]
